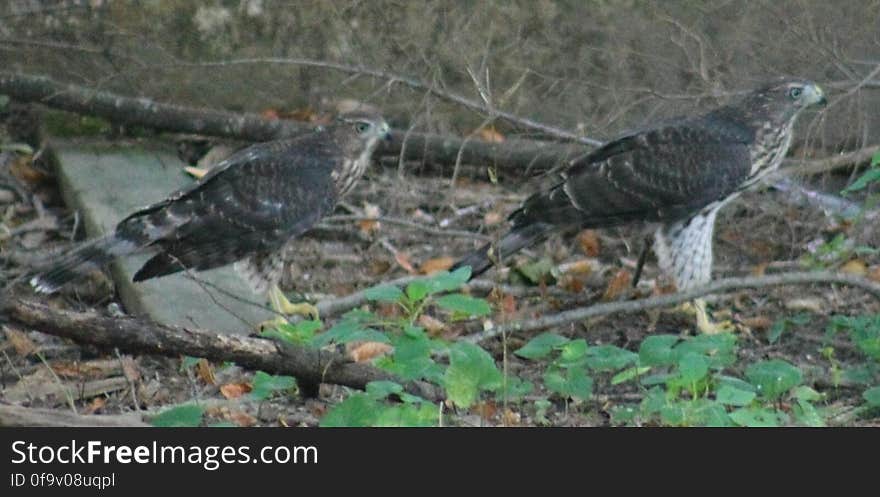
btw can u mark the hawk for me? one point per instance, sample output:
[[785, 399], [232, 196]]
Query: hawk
[[678, 174], [247, 210]]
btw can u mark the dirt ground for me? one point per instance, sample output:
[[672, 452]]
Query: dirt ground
[[763, 231]]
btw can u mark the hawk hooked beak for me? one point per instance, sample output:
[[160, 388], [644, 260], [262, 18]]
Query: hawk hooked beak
[[815, 95]]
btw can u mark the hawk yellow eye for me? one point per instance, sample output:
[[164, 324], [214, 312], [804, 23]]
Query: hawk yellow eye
[[362, 127], [795, 93]]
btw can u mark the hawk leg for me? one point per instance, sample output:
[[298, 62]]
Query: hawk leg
[[279, 303], [705, 323], [684, 250]]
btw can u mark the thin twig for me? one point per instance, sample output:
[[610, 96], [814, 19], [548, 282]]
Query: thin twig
[[407, 81], [719, 286], [409, 224]]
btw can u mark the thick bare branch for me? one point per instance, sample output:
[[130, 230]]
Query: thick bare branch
[[512, 154], [310, 366], [718, 286]]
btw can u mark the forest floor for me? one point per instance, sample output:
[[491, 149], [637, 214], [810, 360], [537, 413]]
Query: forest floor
[[423, 225]]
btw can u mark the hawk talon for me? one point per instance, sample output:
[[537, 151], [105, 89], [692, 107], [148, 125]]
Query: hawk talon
[[280, 304], [709, 327]]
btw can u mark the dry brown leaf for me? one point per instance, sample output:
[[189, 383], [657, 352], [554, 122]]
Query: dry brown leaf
[[403, 260], [22, 167], [23, 345], [95, 405], [235, 390], [874, 274], [589, 243], [270, 114], [855, 267], [205, 372], [431, 266], [486, 410], [492, 218], [433, 325], [581, 267], [196, 172], [618, 284], [366, 351], [571, 284], [510, 418], [508, 304], [757, 323], [491, 135], [241, 418], [369, 226]]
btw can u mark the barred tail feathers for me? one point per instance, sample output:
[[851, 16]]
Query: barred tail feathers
[[79, 261], [483, 258]]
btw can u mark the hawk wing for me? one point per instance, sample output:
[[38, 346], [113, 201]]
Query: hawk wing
[[252, 202], [661, 174]]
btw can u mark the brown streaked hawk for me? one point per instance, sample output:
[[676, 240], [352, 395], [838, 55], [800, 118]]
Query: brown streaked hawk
[[247, 210], [678, 174]]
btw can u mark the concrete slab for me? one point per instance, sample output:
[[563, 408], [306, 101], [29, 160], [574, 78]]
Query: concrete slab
[[106, 182]]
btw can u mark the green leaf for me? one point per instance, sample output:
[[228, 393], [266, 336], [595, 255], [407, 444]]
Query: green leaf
[[348, 331], [629, 374], [471, 370], [189, 362], [776, 330], [806, 394], [418, 290], [464, 304], [872, 396], [572, 353], [297, 333], [733, 396], [609, 358], [623, 414], [516, 388], [407, 416], [541, 346], [384, 293], [569, 382], [656, 350], [720, 349], [755, 417], [358, 410], [382, 389], [538, 271], [773, 378], [187, 415], [806, 414], [444, 281], [265, 384], [868, 177], [693, 367], [411, 359]]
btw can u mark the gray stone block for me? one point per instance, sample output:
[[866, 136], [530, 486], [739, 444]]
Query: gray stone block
[[106, 182]]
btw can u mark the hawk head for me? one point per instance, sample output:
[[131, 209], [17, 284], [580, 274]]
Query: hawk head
[[359, 132], [780, 102]]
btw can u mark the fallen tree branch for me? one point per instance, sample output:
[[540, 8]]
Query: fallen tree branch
[[718, 286], [11, 415], [828, 164], [512, 154], [310, 366]]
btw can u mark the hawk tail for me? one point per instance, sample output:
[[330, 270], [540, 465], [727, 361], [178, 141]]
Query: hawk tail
[[79, 262], [483, 258]]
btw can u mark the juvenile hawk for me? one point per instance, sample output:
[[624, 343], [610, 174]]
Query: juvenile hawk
[[678, 174], [248, 209]]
